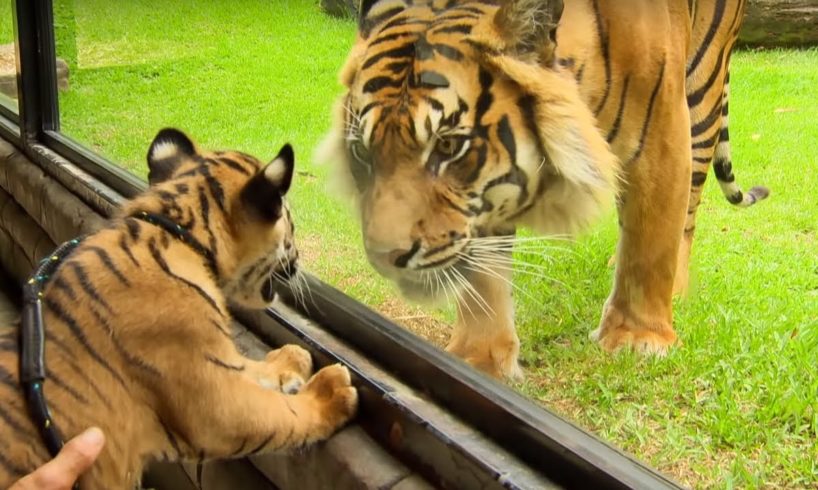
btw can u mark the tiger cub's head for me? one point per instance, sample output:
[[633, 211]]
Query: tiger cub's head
[[233, 205], [457, 124]]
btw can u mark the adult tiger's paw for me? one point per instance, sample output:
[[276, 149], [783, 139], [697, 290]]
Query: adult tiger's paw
[[618, 331], [336, 399], [495, 355], [293, 366]]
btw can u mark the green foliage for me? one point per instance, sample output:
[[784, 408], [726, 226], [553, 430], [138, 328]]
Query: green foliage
[[734, 406]]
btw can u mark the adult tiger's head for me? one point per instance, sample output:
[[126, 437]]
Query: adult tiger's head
[[458, 122], [233, 206]]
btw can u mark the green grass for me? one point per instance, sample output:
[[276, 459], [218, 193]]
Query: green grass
[[735, 406], [6, 36], [6, 26]]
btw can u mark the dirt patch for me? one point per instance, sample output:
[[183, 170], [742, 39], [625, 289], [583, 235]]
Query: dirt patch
[[7, 58], [8, 71], [417, 320]]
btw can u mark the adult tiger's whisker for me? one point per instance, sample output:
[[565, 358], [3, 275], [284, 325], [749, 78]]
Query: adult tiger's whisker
[[525, 268], [481, 269], [511, 262], [469, 288], [457, 293], [518, 239]]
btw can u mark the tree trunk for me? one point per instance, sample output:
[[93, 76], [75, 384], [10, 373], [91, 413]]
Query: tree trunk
[[791, 23], [8, 72]]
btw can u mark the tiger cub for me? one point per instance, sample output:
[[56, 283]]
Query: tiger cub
[[138, 336]]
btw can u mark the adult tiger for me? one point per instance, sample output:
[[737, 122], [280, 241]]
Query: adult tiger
[[138, 334], [466, 119]]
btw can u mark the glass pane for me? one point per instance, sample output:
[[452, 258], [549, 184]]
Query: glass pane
[[252, 74], [248, 75], [8, 63]]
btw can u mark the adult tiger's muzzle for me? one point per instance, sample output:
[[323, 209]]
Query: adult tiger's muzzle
[[386, 257]]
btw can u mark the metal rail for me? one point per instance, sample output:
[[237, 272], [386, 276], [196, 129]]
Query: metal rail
[[556, 448], [425, 436]]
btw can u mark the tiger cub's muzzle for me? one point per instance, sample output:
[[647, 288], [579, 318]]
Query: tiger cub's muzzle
[[285, 271]]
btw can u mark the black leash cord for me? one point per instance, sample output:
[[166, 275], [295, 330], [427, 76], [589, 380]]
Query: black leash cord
[[32, 331], [32, 352]]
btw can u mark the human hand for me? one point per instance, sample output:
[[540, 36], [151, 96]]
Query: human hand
[[62, 472]]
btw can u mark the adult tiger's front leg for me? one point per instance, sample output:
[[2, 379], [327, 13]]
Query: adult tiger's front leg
[[484, 334], [638, 313]]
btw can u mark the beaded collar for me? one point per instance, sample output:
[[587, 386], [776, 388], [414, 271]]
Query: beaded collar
[[183, 234]]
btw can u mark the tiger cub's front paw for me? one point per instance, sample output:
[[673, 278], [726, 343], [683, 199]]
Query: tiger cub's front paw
[[335, 398], [292, 365]]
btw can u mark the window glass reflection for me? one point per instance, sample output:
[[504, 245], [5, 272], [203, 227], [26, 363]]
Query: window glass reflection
[[253, 74], [245, 74]]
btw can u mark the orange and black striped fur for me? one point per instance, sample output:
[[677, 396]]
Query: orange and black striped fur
[[138, 335], [464, 120]]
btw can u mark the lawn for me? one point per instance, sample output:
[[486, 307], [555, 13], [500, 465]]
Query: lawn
[[735, 406], [6, 36], [6, 27]]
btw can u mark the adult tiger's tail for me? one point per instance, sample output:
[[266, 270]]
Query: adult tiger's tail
[[723, 166]]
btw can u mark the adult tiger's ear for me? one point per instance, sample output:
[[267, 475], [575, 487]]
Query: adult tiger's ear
[[371, 13], [364, 6], [167, 152], [582, 164], [529, 28], [263, 192]]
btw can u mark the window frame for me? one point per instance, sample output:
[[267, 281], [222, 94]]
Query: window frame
[[542, 442], [8, 114]]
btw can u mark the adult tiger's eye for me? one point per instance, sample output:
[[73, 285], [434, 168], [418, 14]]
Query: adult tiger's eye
[[448, 146], [359, 151]]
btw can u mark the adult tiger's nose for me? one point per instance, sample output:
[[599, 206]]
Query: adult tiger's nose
[[391, 257]]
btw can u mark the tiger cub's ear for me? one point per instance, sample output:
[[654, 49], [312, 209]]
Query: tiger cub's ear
[[263, 192], [166, 154], [528, 27]]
